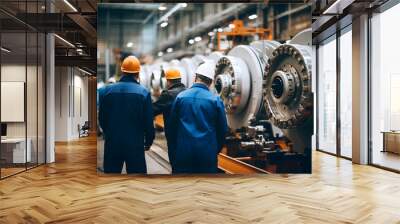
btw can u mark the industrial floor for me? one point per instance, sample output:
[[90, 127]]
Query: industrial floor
[[71, 191], [157, 160]]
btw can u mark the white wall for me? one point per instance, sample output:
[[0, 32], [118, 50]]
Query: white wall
[[61, 103], [71, 94], [16, 73], [33, 127]]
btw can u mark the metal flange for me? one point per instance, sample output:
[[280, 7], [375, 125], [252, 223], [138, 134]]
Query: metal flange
[[238, 81], [287, 86], [232, 83], [266, 47], [215, 56]]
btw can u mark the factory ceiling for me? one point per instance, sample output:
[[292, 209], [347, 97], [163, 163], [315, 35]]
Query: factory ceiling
[[327, 17], [208, 1], [74, 22]]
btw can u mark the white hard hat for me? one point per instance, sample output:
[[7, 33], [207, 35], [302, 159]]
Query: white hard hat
[[207, 69]]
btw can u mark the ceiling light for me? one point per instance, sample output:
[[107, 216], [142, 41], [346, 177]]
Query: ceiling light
[[210, 34], [183, 5], [160, 54], [169, 50], [191, 41], [231, 25], [78, 50], [254, 16], [70, 5], [84, 71], [65, 41], [162, 7], [164, 24], [130, 44], [5, 49], [220, 30], [43, 7], [197, 39]]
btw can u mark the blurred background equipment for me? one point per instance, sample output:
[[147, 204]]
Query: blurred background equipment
[[182, 30]]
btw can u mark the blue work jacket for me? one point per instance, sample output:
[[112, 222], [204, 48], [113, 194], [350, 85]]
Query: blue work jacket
[[197, 128], [126, 117]]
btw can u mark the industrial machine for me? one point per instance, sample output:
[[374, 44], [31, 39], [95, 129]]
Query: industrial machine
[[144, 76], [187, 67], [195, 61], [288, 97], [157, 79], [266, 89], [215, 56], [238, 81]]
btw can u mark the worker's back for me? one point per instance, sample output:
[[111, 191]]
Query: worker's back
[[126, 118], [124, 111], [197, 112], [198, 126]]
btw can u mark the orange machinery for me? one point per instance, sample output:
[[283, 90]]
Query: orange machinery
[[159, 121], [240, 30]]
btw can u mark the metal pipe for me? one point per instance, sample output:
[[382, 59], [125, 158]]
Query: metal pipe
[[170, 13], [209, 23]]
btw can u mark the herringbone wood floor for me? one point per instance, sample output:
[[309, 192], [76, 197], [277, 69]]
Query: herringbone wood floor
[[70, 191]]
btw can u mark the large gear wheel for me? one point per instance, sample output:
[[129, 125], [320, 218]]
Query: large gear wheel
[[287, 86], [238, 81]]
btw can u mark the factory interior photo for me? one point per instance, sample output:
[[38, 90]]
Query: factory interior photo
[[270, 127], [198, 112]]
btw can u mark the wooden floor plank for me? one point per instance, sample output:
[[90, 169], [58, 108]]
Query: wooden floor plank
[[71, 191]]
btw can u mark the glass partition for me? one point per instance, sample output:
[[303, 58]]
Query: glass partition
[[22, 92], [14, 153], [385, 89], [346, 92], [327, 96]]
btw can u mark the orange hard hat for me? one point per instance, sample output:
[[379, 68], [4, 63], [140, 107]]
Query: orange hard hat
[[172, 73], [130, 65]]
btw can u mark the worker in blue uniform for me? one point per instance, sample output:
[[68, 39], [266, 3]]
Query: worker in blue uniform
[[197, 126], [126, 117]]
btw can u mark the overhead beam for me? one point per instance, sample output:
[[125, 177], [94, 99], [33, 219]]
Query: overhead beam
[[130, 6], [78, 61], [205, 25], [84, 24], [170, 13]]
